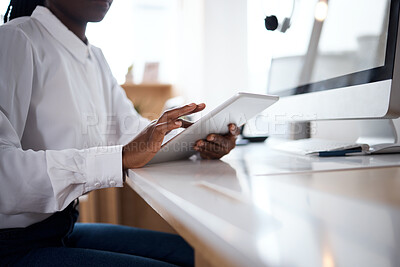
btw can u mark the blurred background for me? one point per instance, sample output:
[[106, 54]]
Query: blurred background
[[203, 47], [199, 50], [205, 51]]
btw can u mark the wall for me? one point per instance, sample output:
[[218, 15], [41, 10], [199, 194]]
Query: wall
[[213, 50], [225, 68], [190, 59]]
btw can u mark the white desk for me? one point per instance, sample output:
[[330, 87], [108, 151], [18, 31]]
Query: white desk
[[263, 208]]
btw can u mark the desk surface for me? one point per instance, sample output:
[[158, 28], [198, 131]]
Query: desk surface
[[258, 207]]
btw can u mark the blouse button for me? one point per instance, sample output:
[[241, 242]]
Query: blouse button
[[113, 183], [97, 185]]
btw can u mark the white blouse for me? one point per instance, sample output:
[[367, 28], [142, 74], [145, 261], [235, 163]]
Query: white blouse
[[63, 119]]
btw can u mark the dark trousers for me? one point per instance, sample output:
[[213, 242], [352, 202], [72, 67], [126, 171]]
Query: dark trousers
[[59, 241]]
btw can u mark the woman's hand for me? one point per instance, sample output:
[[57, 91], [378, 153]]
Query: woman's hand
[[144, 146], [216, 146]]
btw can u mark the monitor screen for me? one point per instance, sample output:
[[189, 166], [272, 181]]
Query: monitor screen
[[349, 43]]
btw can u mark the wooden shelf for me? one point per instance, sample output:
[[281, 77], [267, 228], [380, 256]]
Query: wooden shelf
[[148, 99]]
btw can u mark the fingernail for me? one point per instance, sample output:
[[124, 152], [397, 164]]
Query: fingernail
[[178, 123], [192, 105], [196, 148], [201, 143], [210, 138]]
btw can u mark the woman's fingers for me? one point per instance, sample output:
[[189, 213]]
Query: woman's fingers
[[208, 154], [175, 113], [144, 146], [199, 107], [213, 149], [185, 123], [234, 131], [160, 129], [216, 146], [220, 140], [227, 141]]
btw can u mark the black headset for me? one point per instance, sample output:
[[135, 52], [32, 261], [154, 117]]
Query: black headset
[[272, 23]]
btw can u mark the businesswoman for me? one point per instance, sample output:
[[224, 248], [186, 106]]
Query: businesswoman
[[67, 128]]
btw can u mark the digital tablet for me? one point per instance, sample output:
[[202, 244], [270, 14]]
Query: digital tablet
[[237, 109]]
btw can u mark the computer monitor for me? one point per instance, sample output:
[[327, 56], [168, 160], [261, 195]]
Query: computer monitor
[[340, 59]]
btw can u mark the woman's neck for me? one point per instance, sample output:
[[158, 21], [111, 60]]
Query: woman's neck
[[75, 26]]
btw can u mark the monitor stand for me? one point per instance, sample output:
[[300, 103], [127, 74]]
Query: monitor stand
[[381, 135]]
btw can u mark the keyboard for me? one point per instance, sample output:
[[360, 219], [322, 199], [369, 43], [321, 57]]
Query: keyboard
[[320, 147]]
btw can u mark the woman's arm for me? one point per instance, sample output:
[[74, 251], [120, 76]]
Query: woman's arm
[[40, 181]]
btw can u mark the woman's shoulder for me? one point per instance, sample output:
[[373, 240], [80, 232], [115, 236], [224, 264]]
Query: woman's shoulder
[[23, 27]]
